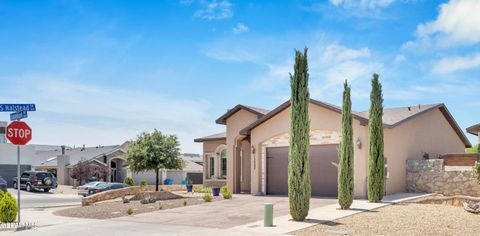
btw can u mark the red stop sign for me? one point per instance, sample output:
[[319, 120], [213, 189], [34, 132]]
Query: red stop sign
[[19, 133]]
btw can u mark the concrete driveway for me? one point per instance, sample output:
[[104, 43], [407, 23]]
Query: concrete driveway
[[242, 209]]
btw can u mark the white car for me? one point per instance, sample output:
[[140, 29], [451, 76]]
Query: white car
[[83, 190]]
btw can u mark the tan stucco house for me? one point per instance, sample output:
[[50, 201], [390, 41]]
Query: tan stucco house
[[252, 155]]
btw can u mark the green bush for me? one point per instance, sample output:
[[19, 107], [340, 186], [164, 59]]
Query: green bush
[[129, 181], [130, 211], [142, 183], [8, 208], [226, 193], [200, 189], [207, 197], [474, 149]]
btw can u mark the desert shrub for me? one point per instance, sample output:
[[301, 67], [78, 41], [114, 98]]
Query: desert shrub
[[129, 181], [200, 189], [8, 208], [207, 197], [226, 193], [160, 206], [130, 211], [185, 202], [142, 183]]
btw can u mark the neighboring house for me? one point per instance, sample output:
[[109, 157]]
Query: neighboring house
[[252, 156], [61, 161], [475, 130]]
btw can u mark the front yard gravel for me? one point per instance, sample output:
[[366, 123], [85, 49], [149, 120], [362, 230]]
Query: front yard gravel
[[114, 209], [402, 219]]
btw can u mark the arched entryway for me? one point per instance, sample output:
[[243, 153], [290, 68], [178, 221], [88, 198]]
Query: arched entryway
[[118, 171]]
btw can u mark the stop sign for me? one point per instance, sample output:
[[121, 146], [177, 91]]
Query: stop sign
[[19, 133]]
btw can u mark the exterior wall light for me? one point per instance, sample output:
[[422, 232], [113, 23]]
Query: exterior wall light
[[359, 143]]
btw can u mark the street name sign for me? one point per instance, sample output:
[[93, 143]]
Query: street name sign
[[18, 115], [19, 133], [17, 107]]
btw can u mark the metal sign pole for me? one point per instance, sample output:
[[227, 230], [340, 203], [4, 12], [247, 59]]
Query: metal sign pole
[[18, 182]]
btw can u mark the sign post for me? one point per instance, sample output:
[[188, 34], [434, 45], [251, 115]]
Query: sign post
[[18, 133]]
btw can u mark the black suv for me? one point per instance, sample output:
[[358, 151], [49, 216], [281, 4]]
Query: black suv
[[32, 180]]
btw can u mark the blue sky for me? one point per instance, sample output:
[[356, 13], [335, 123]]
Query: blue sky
[[100, 72]]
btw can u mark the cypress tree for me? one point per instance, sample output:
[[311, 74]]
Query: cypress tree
[[376, 161], [299, 189], [345, 174]]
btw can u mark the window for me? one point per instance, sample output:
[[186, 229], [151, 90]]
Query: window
[[212, 167], [223, 159]]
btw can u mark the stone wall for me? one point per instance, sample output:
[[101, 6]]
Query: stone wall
[[431, 176], [117, 193]]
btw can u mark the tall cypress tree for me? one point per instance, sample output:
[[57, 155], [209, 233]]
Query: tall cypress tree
[[299, 189], [345, 174], [376, 161]]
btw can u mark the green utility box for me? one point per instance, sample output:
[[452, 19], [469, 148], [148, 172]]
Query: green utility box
[[268, 215]]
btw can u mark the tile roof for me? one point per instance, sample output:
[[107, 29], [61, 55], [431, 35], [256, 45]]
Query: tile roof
[[48, 158], [260, 112], [213, 137], [395, 116]]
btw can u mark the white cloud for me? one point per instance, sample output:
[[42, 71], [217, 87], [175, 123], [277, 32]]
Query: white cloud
[[240, 28], [329, 67], [338, 53], [457, 63], [74, 113], [458, 23], [362, 4], [400, 58], [215, 10]]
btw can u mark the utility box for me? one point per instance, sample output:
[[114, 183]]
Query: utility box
[[268, 215]]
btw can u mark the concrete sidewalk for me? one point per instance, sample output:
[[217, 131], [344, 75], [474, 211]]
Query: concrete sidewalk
[[284, 224]]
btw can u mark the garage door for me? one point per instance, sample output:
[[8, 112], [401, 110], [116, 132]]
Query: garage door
[[323, 174], [8, 172]]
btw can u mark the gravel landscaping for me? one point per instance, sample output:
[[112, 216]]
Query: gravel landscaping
[[402, 219], [114, 209]]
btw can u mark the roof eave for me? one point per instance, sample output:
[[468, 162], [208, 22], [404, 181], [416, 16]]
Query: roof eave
[[201, 140], [222, 120]]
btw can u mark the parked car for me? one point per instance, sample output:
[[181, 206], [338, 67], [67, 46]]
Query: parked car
[[3, 184], [34, 180], [83, 190], [106, 187]]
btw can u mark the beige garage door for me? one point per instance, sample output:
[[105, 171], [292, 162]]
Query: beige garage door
[[323, 174]]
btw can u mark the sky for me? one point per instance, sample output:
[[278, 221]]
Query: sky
[[101, 72]]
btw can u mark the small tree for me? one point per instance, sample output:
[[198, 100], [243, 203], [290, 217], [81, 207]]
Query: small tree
[[299, 189], [153, 152], [80, 172], [345, 173], [376, 161]]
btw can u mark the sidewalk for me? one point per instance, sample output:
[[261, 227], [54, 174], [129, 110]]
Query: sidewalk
[[284, 224]]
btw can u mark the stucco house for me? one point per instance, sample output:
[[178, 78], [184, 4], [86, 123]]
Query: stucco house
[[252, 155], [61, 160]]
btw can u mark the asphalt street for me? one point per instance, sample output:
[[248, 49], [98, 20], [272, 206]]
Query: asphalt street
[[42, 199]]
